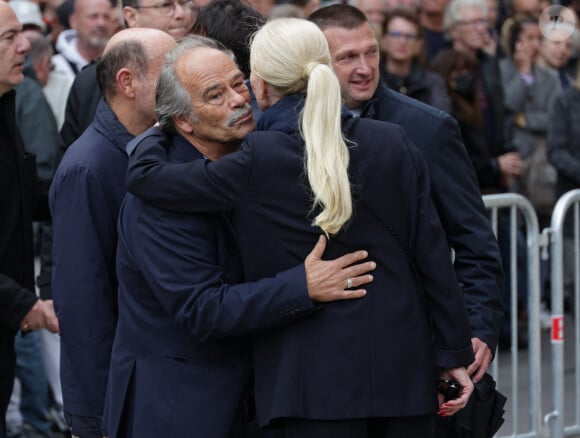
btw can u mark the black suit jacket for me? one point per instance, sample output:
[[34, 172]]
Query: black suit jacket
[[17, 196], [456, 196], [16, 257]]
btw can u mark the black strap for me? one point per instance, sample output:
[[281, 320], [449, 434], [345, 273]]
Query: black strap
[[391, 231], [74, 67]]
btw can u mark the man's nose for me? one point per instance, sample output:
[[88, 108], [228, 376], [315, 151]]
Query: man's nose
[[180, 10], [23, 44], [363, 65], [239, 98]]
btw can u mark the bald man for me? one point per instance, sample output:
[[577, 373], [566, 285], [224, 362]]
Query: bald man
[[85, 198]]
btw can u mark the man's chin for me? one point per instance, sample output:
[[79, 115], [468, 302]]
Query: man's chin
[[247, 127], [362, 97], [98, 43], [178, 33]]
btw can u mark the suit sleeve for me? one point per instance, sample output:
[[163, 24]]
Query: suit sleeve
[[178, 258], [460, 208], [15, 302], [192, 187], [443, 298]]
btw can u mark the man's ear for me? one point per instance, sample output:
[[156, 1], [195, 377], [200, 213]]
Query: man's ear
[[184, 123], [130, 16], [126, 82]]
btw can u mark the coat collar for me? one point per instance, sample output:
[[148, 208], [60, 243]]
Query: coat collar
[[108, 125], [381, 97], [283, 116]]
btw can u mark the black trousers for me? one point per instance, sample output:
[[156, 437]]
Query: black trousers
[[7, 367], [392, 427]]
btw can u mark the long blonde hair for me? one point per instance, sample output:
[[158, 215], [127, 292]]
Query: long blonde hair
[[292, 56]]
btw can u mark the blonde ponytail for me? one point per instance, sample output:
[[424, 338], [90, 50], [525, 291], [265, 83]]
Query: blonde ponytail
[[292, 56]]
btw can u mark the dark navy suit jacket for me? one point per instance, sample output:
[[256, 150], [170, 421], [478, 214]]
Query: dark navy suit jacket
[[456, 196], [173, 373], [373, 357], [85, 197]]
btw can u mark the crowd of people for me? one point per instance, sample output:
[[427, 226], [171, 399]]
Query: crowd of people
[[272, 259]]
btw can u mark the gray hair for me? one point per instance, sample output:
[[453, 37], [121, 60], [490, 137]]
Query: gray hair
[[172, 98], [451, 15]]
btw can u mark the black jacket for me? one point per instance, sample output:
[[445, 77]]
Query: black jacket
[[17, 184], [458, 202], [81, 105]]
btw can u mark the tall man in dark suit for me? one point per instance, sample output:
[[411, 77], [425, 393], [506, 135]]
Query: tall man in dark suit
[[19, 306], [355, 55]]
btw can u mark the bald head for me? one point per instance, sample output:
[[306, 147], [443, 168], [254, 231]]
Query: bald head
[[150, 38], [136, 49], [128, 71]]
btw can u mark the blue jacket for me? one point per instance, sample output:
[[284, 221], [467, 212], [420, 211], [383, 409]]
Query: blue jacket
[[85, 197], [173, 372], [455, 193], [373, 357]]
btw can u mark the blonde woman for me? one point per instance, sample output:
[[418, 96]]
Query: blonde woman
[[362, 368]]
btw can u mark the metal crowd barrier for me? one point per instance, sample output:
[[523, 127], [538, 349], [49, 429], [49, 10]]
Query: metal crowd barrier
[[555, 422], [519, 208], [515, 210]]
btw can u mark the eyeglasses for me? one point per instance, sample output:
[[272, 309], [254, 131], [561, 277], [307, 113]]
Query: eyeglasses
[[168, 8], [402, 36], [474, 22]]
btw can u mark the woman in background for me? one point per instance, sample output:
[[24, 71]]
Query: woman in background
[[495, 165], [529, 91], [402, 67]]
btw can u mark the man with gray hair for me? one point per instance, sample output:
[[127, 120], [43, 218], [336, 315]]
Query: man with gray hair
[[85, 197]]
